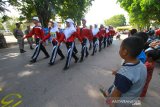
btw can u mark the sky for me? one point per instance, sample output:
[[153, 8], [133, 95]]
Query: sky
[[103, 9], [97, 13]]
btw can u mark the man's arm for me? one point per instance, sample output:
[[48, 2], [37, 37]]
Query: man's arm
[[122, 85], [30, 34], [14, 33], [116, 94]]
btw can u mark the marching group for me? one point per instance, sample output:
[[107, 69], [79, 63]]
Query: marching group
[[94, 37]]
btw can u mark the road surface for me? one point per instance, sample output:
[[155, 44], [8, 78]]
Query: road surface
[[40, 85]]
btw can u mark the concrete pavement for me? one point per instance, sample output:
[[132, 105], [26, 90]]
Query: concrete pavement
[[41, 85], [11, 40]]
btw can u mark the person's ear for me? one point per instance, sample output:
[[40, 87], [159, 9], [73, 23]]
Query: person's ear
[[125, 52]]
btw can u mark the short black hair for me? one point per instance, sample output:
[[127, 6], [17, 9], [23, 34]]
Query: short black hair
[[17, 24], [133, 31], [142, 35], [153, 54], [134, 45]]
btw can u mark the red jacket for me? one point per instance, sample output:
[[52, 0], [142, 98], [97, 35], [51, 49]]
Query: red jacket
[[102, 33], [71, 38], [112, 32], [86, 33], [59, 37], [158, 32], [37, 31], [107, 34]]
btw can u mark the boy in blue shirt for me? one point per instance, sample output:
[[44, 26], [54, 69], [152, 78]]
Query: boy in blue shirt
[[130, 78]]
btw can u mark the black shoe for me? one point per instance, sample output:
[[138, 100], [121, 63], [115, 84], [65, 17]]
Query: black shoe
[[95, 50], [65, 68], [81, 60], [22, 51], [92, 54], [31, 48], [87, 55], [75, 52], [50, 63], [62, 58], [46, 57], [76, 60], [90, 48], [33, 61]]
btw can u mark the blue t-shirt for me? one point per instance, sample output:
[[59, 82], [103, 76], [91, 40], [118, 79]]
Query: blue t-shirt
[[142, 57]]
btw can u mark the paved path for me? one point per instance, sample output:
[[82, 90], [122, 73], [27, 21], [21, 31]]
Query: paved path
[[43, 86]]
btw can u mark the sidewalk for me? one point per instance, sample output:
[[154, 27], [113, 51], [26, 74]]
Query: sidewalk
[[11, 40]]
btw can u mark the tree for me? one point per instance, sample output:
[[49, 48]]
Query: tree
[[47, 9], [30, 8], [2, 6], [142, 12], [115, 21], [1, 25], [74, 9]]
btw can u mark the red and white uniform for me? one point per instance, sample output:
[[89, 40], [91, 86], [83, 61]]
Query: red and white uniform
[[102, 33], [107, 33], [95, 32], [70, 34], [112, 32], [86, 33], [54, 34], [37, 31], [58, 37]]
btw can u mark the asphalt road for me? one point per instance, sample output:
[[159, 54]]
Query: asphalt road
[[40, 85]]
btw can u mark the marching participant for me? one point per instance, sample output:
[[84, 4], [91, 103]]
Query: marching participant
[[85, 34], [101, 36], [69, 35], [111, 34], [95, 32], [106, 38], [38, 33], [91, 38], [78, 32], [56, 40]]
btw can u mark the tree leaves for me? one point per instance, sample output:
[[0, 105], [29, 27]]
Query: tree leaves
[[116, 21], [46, 9], [2, 6], [141, 12]]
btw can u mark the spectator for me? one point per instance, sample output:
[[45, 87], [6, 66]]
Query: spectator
[[152, 56], [144, 37], [17, 32], [132, 32], [130, 78]]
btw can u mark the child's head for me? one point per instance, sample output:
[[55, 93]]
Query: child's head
[[142, 35], [131, 47], [133, 31], [152, 55]]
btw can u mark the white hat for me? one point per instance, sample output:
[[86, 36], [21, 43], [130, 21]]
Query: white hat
[[35, 18], [70, 20]]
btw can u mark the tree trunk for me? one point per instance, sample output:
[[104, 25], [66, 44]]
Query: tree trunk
[[3, 43], [44, 12]]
